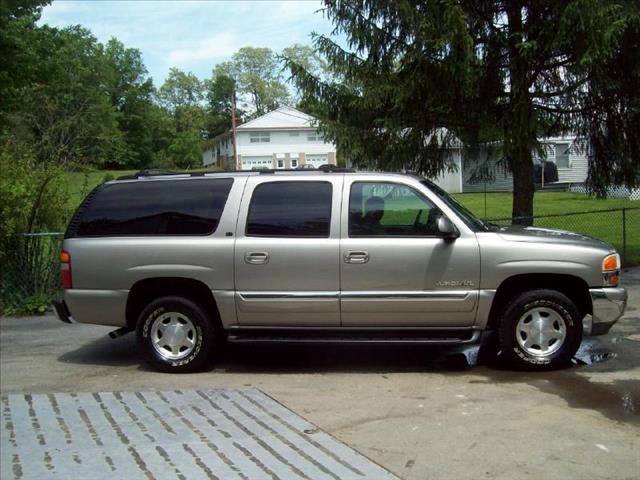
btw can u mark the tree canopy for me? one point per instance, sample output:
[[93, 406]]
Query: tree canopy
[[70, 102], [415, 77]]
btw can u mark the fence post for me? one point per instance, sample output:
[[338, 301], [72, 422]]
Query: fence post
[[624, 235]]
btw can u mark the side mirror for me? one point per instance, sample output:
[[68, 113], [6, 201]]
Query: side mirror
[[446, 229]]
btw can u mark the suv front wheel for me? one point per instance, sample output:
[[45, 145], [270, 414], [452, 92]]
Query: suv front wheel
[[176, 335], [540, 330]]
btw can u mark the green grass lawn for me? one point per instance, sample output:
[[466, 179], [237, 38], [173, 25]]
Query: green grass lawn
[[499, 204], [606, 226]]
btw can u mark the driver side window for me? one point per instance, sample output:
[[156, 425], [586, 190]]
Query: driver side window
[[380, 209]]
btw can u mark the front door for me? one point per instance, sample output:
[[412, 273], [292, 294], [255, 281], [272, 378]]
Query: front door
[[395, 270], [287, 251]]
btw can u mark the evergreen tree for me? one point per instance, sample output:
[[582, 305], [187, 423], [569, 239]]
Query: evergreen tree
[[416, 76]]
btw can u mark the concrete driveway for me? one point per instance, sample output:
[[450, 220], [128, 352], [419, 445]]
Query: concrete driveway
[[405, 408]]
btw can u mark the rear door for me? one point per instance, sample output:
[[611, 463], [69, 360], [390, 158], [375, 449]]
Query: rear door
[[287, 251]]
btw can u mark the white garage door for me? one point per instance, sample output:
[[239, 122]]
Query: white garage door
[[316, 160], [249, 163]]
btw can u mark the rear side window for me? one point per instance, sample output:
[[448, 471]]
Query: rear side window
[[290, 209], [164, 207]]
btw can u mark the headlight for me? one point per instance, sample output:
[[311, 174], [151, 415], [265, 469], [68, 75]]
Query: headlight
[[611, 270]]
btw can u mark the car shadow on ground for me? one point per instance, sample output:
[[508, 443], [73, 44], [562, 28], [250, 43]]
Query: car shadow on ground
[[104, 351], [349, 358], [618, 400], [285, 358]]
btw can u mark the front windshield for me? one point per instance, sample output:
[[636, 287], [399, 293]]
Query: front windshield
[[463, 212]]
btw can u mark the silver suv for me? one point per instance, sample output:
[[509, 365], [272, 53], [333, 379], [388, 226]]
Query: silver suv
[[189, 260]]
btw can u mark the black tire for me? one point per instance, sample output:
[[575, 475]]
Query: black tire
[[543, 303], [196, 327]]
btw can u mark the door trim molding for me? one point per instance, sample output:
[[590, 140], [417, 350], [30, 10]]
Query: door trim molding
[[424, 294], [285, 295], [357, 295]]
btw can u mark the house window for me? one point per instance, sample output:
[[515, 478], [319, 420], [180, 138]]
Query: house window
[[562, 155], [313, 136], [294, 134], [260, 137], [294, 162], [280, 163]]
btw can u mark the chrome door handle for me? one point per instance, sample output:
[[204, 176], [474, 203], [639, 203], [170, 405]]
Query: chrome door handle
[[356, 257], [256, 258]]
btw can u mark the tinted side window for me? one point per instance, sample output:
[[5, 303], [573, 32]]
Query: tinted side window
[[163, 207], [378, 209], [290, 209]]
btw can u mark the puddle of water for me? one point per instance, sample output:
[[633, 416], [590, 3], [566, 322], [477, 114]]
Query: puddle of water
[[593, 350]]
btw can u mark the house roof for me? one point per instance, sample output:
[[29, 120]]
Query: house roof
[[283, 118]]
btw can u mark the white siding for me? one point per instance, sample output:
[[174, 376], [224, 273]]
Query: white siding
[[578, 166], [501, 181], [451, 182], [209, 157], [282, 142]]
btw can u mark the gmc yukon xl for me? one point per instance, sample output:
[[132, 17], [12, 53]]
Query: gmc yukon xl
[[190, 260]]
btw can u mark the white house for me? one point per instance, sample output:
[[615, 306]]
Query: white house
[[283, 138], [485, 171]]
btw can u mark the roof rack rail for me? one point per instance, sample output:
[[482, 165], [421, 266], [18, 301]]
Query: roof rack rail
[[260, 171]]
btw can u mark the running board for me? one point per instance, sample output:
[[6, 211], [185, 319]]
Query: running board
[[382, 337]]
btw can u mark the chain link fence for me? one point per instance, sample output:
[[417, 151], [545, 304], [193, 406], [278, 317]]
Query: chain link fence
[[619, 227], [30, 273]]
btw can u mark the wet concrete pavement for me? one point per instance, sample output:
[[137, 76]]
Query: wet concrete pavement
[[416, 412]]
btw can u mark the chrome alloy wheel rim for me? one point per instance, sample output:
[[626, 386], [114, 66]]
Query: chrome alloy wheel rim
[[541, 332], [173, 336]]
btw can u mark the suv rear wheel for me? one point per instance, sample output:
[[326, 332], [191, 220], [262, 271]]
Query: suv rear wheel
[[540, 330], [176, 335]]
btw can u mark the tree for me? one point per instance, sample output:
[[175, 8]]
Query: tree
[[186, 149], [131, 94], [258, 77], [65, 113], [309, 59], [417, 76], [19, 65], [612, 116], [220, 91], [182, 94]]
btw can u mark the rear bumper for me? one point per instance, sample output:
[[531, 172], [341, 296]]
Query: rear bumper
[[62, 312], [608, 307], [100, 307]]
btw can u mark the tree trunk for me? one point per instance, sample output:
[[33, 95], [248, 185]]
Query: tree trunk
[[520, 128], [523, 188]]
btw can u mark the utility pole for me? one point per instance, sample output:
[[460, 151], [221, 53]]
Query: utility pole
[[233, 129]]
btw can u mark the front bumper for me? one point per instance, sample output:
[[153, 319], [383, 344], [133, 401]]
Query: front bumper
[[608, 306]]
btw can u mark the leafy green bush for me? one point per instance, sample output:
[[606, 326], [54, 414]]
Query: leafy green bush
[[34, 305]]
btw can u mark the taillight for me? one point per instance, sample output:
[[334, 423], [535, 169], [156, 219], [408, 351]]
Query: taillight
[[65, 269]]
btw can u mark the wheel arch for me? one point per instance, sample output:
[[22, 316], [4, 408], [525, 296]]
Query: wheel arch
[[573, 287], [145, 291]]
